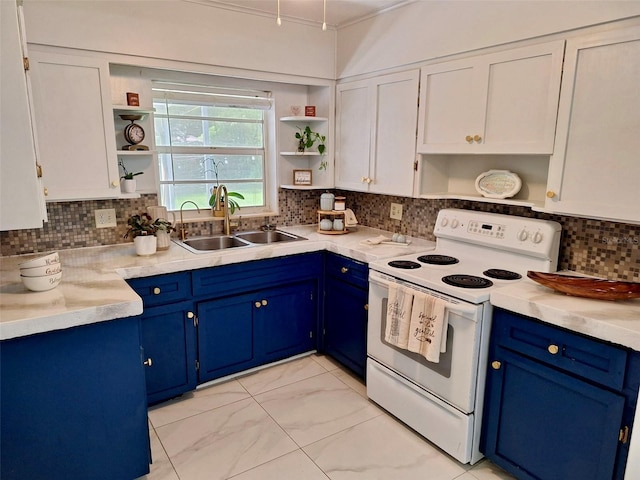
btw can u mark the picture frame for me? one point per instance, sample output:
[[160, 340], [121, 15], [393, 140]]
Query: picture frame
[[133, 99], [302, 177]]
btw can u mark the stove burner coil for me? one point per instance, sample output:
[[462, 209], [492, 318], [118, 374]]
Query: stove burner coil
[[406, 264], [502, 274], [438, 259], [467, 281]]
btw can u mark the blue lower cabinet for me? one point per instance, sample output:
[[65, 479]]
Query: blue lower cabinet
[[168, 338], [557, 404], [73, 404]]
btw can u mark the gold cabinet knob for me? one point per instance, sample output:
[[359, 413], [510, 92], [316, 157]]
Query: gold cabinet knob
[[258, 304], [366, 307], [115, 183], [551, 194], [156, 291], [469, 138], [496, 365], [264, 303], [190, 315], [46, 192], [477, 138], [553, 349], [344, 270], [148, 362]]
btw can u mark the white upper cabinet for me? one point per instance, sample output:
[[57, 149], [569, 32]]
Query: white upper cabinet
[[74, 119], [21, 203], [595, 169], [502, 103], [376, 134]]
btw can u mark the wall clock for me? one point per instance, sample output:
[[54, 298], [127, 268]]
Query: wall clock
[[133, 133]]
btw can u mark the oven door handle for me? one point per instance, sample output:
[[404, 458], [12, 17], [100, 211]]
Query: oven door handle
[[384, 281]]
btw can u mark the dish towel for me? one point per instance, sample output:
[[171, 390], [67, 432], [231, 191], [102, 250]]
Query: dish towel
[[428, 331], [375, 240], [396, 331], [350, 219]]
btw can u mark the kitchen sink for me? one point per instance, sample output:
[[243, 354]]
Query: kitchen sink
[[268, 236], [241, 239]]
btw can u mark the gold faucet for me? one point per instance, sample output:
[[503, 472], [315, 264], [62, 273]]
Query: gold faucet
[[183, 231], [225, 208]]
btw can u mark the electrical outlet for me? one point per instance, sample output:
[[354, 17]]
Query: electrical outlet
[[396, 211], [105, 217]]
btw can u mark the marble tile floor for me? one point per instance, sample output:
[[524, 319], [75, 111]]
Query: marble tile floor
[[307, 419]]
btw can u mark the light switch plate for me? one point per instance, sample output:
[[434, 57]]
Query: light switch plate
[[105, 217], [396, 211]]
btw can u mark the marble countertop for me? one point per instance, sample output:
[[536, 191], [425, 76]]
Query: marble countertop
[[93, 287], [614, 321]]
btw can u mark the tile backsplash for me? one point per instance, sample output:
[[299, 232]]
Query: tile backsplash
[[604, 249]]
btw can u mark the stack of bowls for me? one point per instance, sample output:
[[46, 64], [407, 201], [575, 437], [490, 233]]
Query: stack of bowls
[[42, 273]]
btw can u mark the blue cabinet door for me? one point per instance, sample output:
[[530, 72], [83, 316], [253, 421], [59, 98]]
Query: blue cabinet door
[[345, 324], [547, 425], [285, 321], [226, 336], [73, 404], [168, 338]]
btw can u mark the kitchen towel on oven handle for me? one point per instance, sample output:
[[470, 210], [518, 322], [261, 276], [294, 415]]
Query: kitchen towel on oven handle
[[428, 327], [396, 331]]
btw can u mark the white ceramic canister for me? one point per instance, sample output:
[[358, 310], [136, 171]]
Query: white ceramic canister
[[326, 201], [338, 224], [326, 224]]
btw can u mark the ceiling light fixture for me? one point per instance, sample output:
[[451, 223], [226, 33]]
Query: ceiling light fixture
[[279, 20], [324, 15]]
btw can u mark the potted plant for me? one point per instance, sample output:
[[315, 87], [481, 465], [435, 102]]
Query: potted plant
[[307, 138], [129, 183], [232, 204], [143, 230]]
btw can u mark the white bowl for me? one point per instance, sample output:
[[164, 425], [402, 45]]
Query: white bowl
[[41, 284], [41, 261], [41, 271]]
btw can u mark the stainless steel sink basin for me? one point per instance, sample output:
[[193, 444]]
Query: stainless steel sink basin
[[218, 242], [269, 236]]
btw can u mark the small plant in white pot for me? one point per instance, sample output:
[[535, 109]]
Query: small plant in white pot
[[128, 180], [143, 230]]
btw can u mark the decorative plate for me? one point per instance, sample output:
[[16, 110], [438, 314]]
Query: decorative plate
[[498, 184], [587, 287]]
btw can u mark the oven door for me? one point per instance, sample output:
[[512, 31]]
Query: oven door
[[454, 378]]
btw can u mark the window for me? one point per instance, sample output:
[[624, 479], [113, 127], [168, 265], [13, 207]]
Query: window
[[209, 136]]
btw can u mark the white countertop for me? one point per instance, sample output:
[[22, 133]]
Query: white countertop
[[614, 321], [93, 287]]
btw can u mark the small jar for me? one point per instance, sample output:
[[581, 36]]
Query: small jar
[[326, 201], [326, 224], [338, 224], [340, 204]]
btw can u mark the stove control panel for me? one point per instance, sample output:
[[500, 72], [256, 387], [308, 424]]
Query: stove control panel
[[525, 235]]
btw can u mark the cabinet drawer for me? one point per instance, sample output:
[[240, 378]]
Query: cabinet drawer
[[162, 289], [588, 358], [346, 269]]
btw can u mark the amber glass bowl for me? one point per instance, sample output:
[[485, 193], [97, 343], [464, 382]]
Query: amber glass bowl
[[587, 287]]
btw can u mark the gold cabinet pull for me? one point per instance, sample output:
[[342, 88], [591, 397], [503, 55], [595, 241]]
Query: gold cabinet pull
[[344, 270], [156, 291], [46, 192], [477, 138], [258, 304], [469, 138], [115, 183], [148, 362], [496, 365], [553, 349], [366, 307], [551, 194], [190, 315], [264, 303], [624, 434]]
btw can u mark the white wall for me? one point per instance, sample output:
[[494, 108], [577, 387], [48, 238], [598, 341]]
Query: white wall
[[183, 31], [428, 29]]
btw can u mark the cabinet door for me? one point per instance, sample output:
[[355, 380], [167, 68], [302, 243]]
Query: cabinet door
[[22, 201], [354, 116], [226, 336], [543, 424], [394, 133], [345, 324], [74, 120], [169, 341], [503, 102], [594, 170], [285, 321]]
